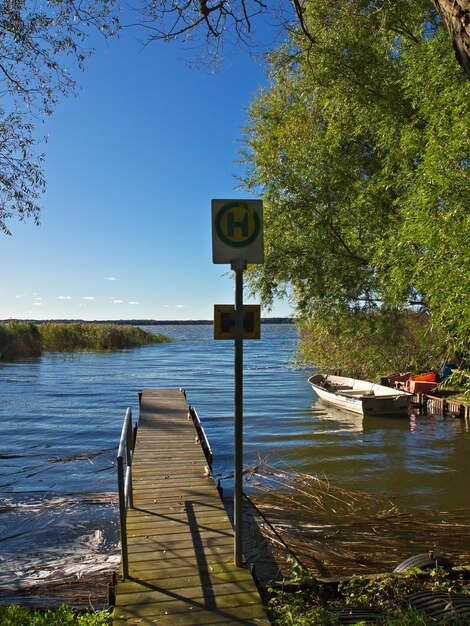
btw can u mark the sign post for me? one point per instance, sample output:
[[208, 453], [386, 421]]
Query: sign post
[[238, 267], [237, 238]]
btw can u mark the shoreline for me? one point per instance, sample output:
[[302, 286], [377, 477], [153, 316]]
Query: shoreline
[[144, 322]]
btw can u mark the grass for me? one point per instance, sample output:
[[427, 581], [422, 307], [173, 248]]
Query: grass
[[456, 387], [26, 339], [14, 615]]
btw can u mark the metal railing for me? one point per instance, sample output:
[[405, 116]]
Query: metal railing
[[126, 498], [201, 433]]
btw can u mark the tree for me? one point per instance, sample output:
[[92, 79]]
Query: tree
[[368, 344], [38, 43], [211, 22], [456, 16], [360, 149]]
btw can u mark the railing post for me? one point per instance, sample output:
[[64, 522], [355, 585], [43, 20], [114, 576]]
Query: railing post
[[122, 518], [125, 487], [129, 455]]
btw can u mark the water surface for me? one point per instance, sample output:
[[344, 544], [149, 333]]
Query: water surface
[[61, 417]]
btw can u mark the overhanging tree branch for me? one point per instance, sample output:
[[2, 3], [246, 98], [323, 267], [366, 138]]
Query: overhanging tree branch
[[35, 40]]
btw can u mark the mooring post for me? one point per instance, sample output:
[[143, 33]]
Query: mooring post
[[238, 267]]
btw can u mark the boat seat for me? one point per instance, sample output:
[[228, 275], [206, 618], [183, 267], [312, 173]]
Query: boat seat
[[356, 392]]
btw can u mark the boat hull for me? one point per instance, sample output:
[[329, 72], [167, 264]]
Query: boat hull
[[360, 396]]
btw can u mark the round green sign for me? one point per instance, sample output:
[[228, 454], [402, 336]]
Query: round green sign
[[237, 225]]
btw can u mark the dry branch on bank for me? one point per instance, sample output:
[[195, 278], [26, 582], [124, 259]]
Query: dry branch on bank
[[334, 533]]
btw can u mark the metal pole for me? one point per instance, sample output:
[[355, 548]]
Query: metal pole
[[238, 267], [122, 518], [129, 455]]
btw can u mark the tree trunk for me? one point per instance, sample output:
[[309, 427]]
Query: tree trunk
[[456, 15]]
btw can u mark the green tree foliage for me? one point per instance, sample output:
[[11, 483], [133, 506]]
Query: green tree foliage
[[39, 42], [365, 344], [360, 148]]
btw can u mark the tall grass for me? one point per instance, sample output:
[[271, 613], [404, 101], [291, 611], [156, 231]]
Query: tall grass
[[18, 340], [24, 339]]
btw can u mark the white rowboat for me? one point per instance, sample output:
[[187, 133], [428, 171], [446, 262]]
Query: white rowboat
[[360, 396]]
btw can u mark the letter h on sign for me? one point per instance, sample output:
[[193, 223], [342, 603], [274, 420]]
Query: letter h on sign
[[232, 224]]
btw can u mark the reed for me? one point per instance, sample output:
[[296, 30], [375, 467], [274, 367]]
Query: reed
[[336, 532], [19, 340], [335, 550], [90, 336], [26, 339]]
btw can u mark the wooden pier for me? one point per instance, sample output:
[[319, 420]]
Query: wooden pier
[[442, 406], [180, 540]]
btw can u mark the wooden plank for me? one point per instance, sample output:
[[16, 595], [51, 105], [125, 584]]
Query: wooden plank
[[166, 532], [180, 539], [148, 570], [175, 488], [244, 617], [149, 544], [186, 577], [146, 594], [189, 555], [233, 607], [178, 519]]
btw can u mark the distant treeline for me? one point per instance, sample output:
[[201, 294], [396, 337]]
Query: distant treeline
[[264, 320], [20, 339]]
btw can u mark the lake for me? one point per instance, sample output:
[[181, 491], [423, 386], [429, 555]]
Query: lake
[[62, 415]]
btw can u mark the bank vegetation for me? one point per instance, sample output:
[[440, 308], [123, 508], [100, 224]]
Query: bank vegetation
[[15, 615], [27, 339], [337, 552], [366, 344]]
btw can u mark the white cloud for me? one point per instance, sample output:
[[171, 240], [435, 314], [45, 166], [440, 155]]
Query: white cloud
[[38, 303], [17, 296], [64, 297], [38, 298], [118, 301], [110, 278], [181, 306], [166, 306], [133, 302], [89, 298]]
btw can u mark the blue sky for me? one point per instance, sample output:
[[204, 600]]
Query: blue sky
[[132, 163]]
